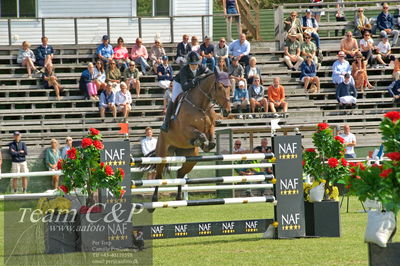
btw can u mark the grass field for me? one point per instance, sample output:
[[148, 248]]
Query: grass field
[[243, 249]]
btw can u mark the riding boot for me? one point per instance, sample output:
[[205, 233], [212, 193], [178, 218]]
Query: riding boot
[[167, 118]]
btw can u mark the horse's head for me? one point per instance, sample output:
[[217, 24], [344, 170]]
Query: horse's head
[[221, 93]]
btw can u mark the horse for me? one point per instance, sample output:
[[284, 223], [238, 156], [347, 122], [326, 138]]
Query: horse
[[193, 127]]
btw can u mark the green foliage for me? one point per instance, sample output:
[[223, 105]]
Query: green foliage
[[144, 8]]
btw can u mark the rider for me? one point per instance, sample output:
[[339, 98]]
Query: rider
[[186, 79]]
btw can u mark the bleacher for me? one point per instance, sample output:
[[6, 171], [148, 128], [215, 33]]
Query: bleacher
[[26, 106]]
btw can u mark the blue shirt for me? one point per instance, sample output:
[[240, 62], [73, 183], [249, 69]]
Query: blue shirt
[[236, 48], [105, 99], [15, 149], [42, 52], [307, 70], [384, 22], [164, 71], [344, 89], [338, 68], [106, 51], [207, 50], [239, 94]]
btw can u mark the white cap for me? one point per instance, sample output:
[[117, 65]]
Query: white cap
[[241, 83]]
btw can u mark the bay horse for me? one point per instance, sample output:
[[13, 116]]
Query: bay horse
[[193, 127]]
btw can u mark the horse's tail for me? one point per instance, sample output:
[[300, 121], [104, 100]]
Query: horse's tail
[[152, 167]]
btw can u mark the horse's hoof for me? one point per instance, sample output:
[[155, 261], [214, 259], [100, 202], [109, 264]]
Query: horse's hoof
[[151, 210]]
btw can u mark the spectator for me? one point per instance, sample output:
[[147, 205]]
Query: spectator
[[113, 74], [140, 56], [87, 85], [107, 101], [237, 148], [156, 53], [195, 44], [346, 93], [396, 69], [123, 101], [308, 74], [367, 47], [44, 53], [100, 75], [50, 80], [308, 48], [340, 16], [148, 145], [276, 96], [182, 50], [257, 96], [340, 68], [236, 73], [121, 55], [207, 53], [51, 159], [359, 73], [241, 99], [384, 51], [231, 8], [310, 25], [222, 51], [167, 97], [252, 70], [27, 59], [349, 142], [131, 78], [18, 152], [293, 26], [316, 13], [349, 45], [394, 90], [241, 49], [361, 22], [67, 147], [265, 148], [105, 51], [385, 24], [165, 74], [291, 53], [222, 68]]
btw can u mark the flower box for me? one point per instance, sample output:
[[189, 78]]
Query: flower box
[[92, 232], [60, 235], [384, 256], [322, 218]]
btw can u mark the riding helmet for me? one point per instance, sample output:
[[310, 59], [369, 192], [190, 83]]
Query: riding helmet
[[193, 58]]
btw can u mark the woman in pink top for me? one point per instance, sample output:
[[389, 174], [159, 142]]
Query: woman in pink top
[[156, 52], [140, 56], [195, 45], [121, 55]]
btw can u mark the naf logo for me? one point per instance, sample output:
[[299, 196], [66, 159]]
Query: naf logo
[[290, 221], [251, 226], [289, 186], [288, 150]]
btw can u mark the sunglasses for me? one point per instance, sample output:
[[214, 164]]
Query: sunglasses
[[366, 35], [131, 65], [238, 144], [112, 63], [349, 35], [307, 38], [293, 16], [360, 11], [157, 42], [385, 7], [221, 41]]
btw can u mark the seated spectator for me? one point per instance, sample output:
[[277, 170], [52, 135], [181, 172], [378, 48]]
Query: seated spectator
[[121, 55], [396, 69], [359, 73], [361, 22], [276, 96], [50, 80], [291, 53], [156, 53], [165, 74], [252, 70], [310, 25], [367, 47], [107, 101], [346, 93], [394, 90], [308, 74], [148, 144], [100, 75], [236, 73], [293, 26], [123, 101], [221, 50], [340, 68], [113, 74], [167, 97], [237, 147], [257, 96], [140, 56], [27, 59], [222, 68], [67, 147], [308, 48], [241, 99], [105, 51], [44, 53], [241, 49], [349, 45], [182, 50], [265, 149], [385, 24], [131, 78], [207, 53], [384, 51], [51, 159], [195, 44], [87, 85]]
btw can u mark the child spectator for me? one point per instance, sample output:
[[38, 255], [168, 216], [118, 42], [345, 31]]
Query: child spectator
[[156, 53], [276, 96], [384, 51], [241, 99], [27, 59]]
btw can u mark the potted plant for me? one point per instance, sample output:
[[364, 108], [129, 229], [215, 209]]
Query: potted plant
[[326, 165], [381, 182]]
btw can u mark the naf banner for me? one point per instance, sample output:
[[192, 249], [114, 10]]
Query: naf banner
[[288, 189]]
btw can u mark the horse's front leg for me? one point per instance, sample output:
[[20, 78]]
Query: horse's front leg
[[199, 139], [211, 138]]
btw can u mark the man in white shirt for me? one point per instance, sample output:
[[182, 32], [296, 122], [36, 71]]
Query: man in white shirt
[[349, 142], [383, 50], [123, 100], [148, 145], [237, 148]]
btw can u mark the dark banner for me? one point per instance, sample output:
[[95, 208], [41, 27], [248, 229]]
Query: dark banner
[[288, 191]]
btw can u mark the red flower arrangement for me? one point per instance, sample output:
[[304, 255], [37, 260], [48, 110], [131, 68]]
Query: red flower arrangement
[[98, 145], [394, 156], [94, 132], [322, 126], [393, 115], [109, 171], [71, 153], [344, 162], [340, 139], [386, 173], [310, 150], [64, 189], [333, 162], [86, 142]]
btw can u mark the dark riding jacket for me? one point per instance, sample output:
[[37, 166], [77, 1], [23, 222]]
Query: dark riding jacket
[[185, 77]]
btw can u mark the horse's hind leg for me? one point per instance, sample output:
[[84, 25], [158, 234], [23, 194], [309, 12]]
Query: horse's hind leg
[[186, 167]]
